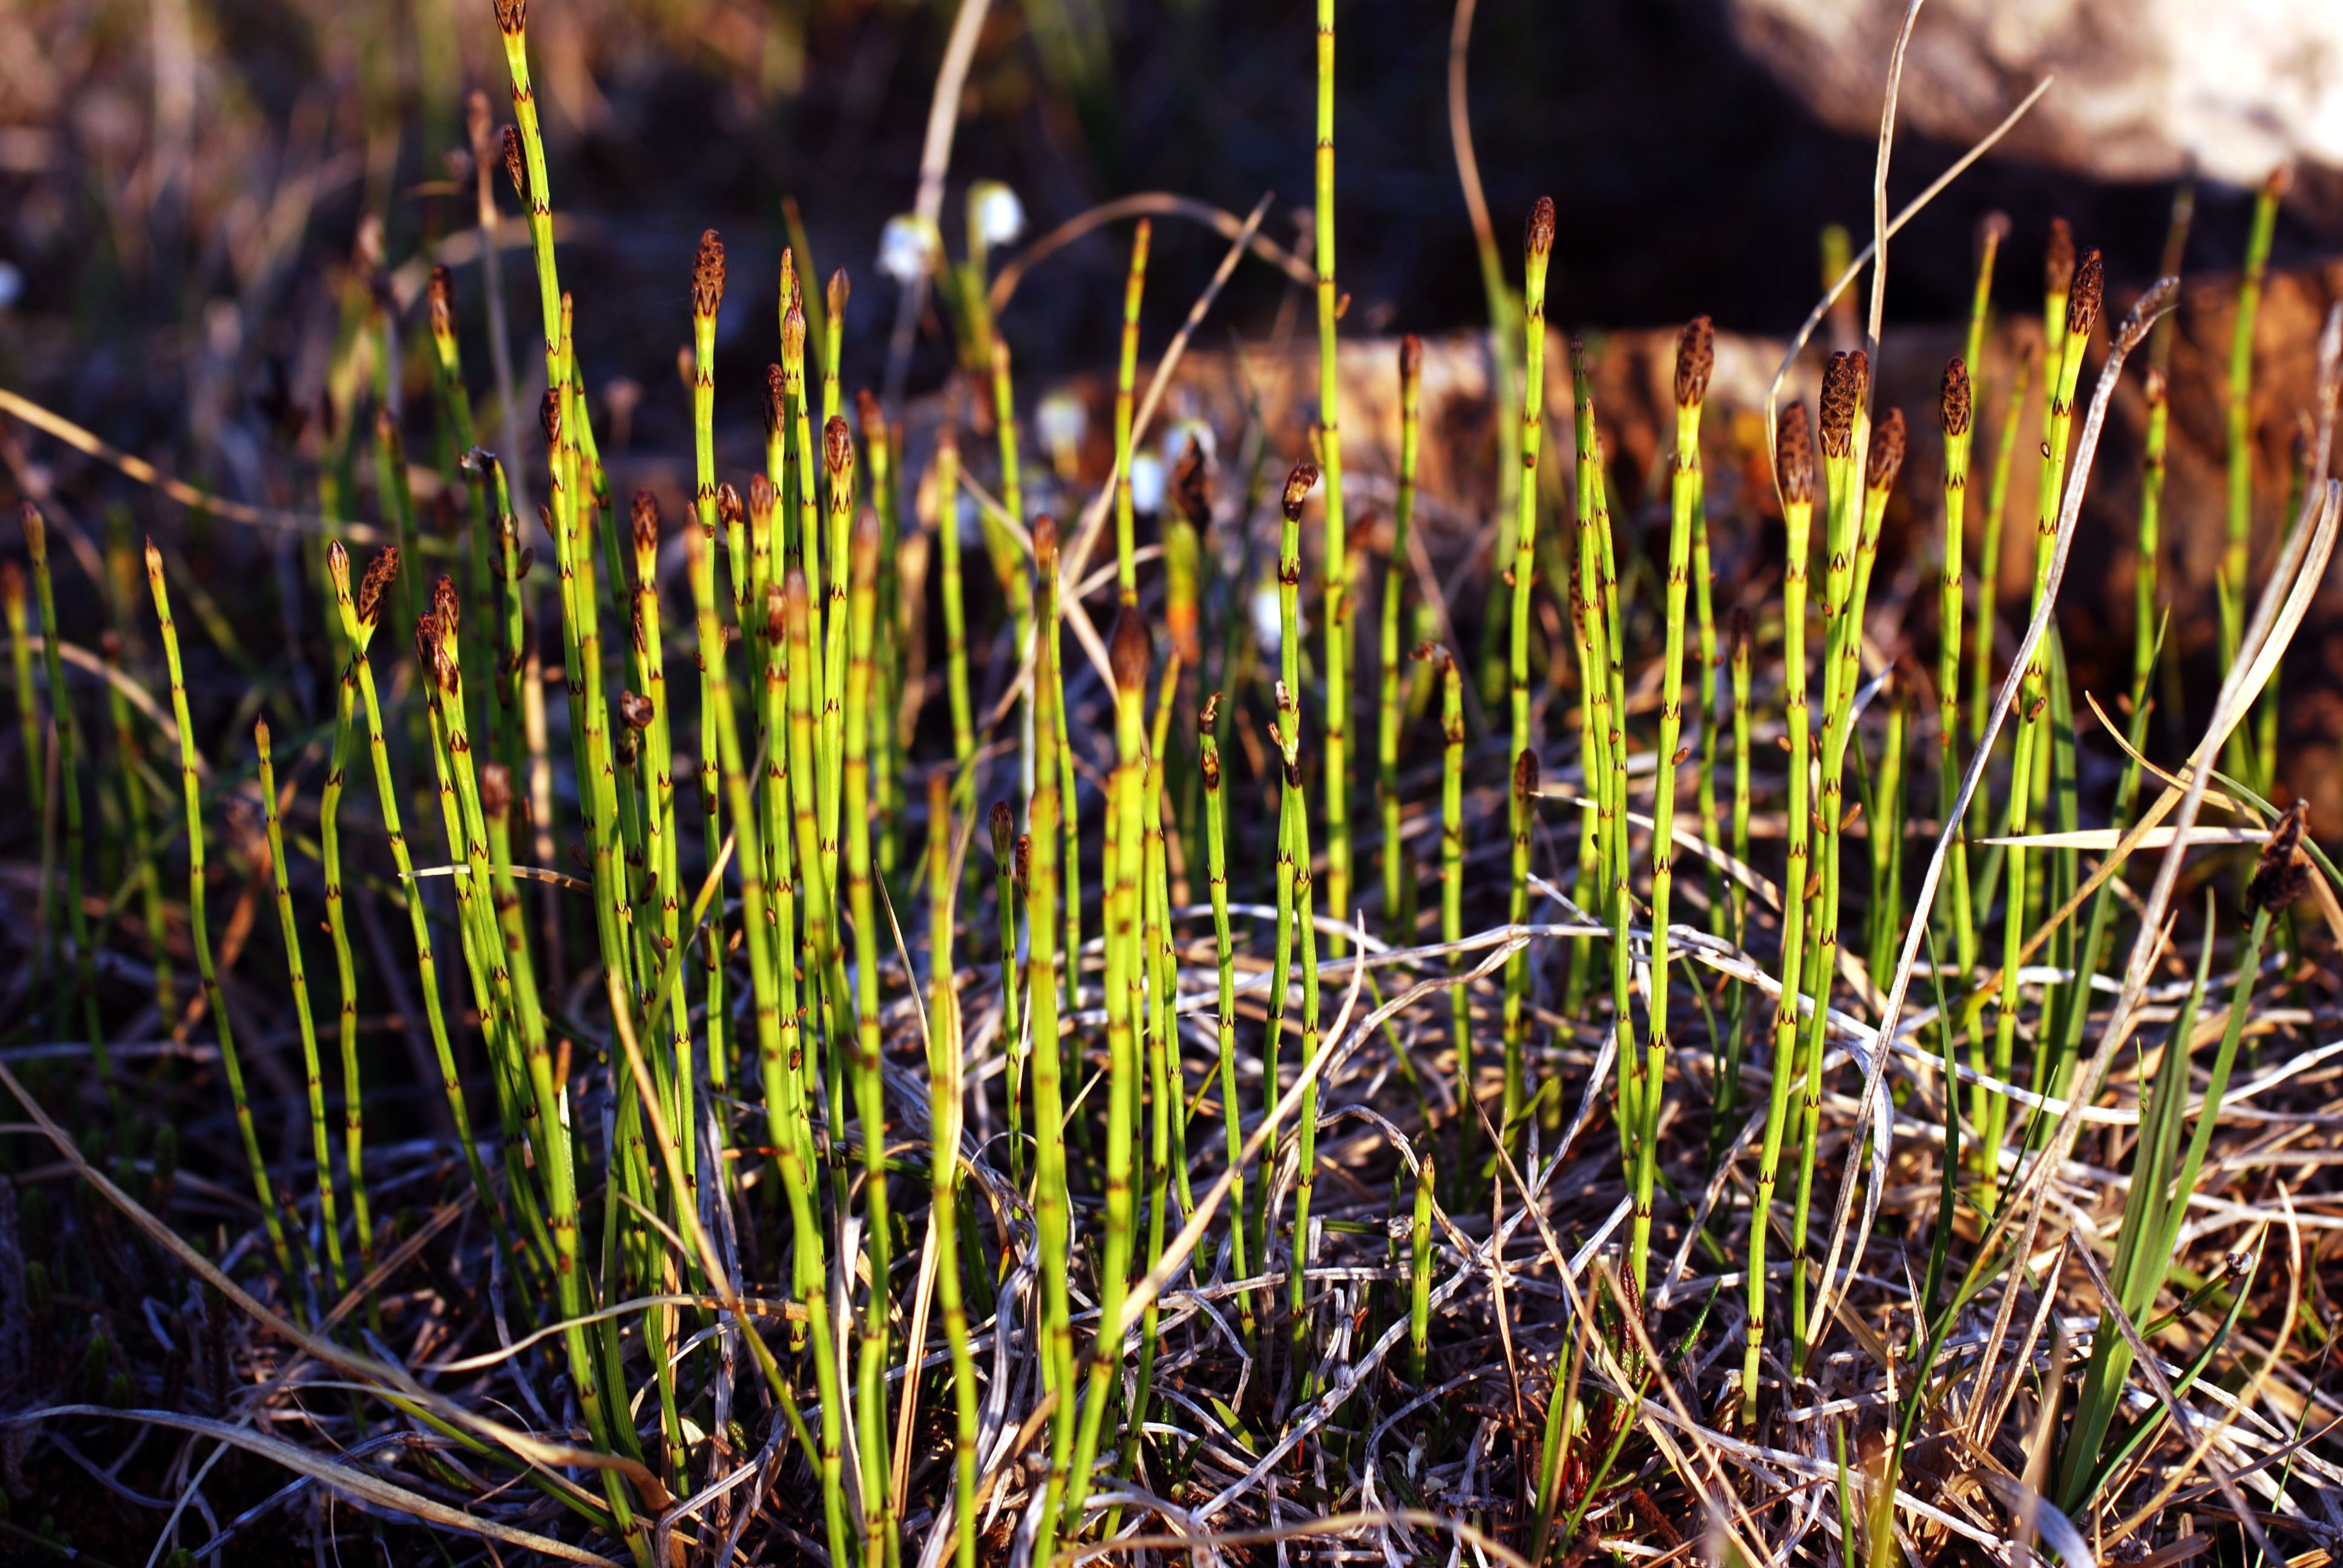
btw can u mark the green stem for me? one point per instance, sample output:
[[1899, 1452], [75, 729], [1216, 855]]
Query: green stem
[[291, 929], [198, 923]]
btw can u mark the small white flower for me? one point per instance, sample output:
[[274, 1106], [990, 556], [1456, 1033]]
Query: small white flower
[[907, 248], [996, 215], [1146, 483], [1061, 421], [1268, 618]]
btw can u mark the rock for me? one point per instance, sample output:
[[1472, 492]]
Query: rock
[[2144, 88]]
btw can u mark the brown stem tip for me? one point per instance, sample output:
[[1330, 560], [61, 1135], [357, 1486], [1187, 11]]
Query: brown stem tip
[[1994, 228], [838, 291], [2156, 387], [1004, 831], [838, 448], [379, 575], [870, 416], [1191, 485], [512, 16], [2058, 260], [1954, 401], [548, 415], [1130, 651], [431, 655], [1842, 380], [1538, 238], [707, 274], [645, 520], [1298, 485], [1525, 775], [2084, 300], [637, 710], [2280, 878], [1696, 359], [1887, 454], [1793, 458], [446, 607], [443, 302], [1045, 543], [729, 510], [1410, 357], [1737, 628]]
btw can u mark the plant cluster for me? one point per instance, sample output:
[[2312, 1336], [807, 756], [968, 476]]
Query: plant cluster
[[769, 1224]]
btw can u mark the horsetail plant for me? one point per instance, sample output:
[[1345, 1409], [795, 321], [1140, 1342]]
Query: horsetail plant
[[1538, 252], [1997, 505], [1126, 375], [955, 603], [770, 934], [1956, 417], [1862, 473], [1129, 655], [1390, 716], [2032, 744], [346, 1028], [1334, 605], [2237, 416], [359, 614], [2250, 748], [1739, 634], [138, 809], [69, 749], [1695, 359], [28, 703], [198, 922], [944, 1113], [1005, 881], [1052, 1201], [870, 1093], [297, 978], [1793, 482], [1224, 956], [1299, 483], [1451, 889], [1285, 735]]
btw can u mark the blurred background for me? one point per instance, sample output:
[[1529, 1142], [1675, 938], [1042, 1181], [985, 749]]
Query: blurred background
[[182, 181], [194, 195]]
